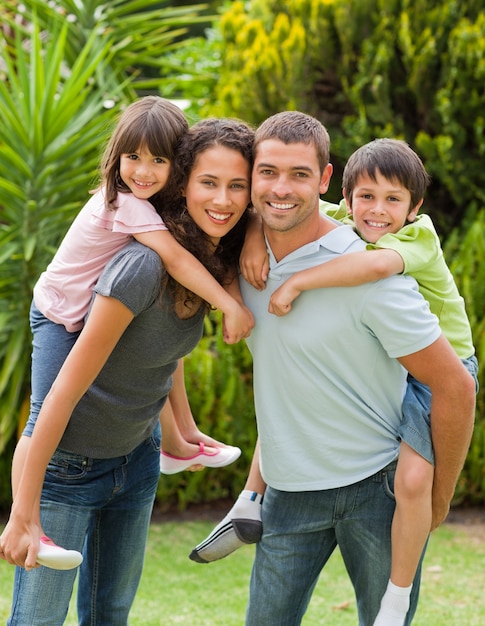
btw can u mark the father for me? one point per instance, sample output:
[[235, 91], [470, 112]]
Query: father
[[329, 381]]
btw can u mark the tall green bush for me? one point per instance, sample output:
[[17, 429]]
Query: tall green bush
[[466, 249], [368, 68]]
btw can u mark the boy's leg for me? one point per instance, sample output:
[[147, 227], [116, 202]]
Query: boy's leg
[[410, 529], [241, 526]]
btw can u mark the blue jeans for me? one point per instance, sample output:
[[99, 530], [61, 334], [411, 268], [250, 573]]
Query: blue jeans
[[101, 507], [50, 346], [302, 529], [415, 429]]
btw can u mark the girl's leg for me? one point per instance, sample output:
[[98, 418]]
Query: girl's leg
[[242, 525], [410, 529], [183, 445]]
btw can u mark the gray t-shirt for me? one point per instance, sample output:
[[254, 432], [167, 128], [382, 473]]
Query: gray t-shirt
[[121, 407]]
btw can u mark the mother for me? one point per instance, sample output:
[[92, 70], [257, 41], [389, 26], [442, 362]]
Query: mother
[[94, 453]]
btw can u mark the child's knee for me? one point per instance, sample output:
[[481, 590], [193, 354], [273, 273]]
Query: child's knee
[[414, 476]]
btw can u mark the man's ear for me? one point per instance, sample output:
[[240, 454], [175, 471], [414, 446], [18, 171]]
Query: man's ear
[[325, 179]]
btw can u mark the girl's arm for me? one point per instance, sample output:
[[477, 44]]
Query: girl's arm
[[254, 261], [108, 320], [348, 270], [190, 273]]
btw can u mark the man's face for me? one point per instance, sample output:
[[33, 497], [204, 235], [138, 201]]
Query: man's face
[[286, 183]]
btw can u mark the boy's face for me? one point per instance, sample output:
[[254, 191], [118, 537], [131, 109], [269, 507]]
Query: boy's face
[[379, 207]]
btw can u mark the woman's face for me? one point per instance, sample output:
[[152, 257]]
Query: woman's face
[[218, 190]]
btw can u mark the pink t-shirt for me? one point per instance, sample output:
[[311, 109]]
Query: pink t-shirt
[[63, 292]]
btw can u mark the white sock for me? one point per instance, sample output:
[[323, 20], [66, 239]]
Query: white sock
[[241, 525], [394, 606]]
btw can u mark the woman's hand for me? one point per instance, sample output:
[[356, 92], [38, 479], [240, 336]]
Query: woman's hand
[[19, 543]]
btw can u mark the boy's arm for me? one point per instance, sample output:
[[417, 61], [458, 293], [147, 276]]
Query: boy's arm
[[254, 261], [190, 273], [348, 270]]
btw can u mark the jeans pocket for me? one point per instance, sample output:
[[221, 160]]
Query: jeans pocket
[[68, 467], [387, 475]]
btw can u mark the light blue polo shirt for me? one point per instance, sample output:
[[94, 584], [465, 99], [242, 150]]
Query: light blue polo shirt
[[328, 388]]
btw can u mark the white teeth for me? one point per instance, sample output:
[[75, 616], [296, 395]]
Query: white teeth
[[221, 217], [281, 206], [142, 184], [378, 224]]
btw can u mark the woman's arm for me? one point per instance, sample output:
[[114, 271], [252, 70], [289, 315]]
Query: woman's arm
[[189, 272], [347, 270], [108, 320]]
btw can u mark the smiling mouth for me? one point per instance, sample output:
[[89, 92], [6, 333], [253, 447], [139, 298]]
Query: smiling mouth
[[282, 206], [140, 183], [219, 217], [381, 225]]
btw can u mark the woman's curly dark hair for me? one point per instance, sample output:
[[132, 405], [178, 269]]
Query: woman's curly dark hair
[[223, 262]]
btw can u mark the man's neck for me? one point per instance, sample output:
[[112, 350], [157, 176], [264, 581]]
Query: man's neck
[[284, 243]]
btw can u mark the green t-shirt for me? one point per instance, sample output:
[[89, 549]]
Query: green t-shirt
[[420, 249]]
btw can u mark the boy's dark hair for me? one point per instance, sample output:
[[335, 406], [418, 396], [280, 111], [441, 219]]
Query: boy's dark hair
[[394, 160], [296, 127], [151, 122], [221, 263]]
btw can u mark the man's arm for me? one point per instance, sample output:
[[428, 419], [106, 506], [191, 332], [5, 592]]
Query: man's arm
[[452, 416]]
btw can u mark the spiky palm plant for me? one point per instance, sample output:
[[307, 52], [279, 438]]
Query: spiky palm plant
[[51, 125], [56, 75]]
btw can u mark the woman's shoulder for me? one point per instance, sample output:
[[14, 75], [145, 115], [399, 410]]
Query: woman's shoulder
[[133, 268]]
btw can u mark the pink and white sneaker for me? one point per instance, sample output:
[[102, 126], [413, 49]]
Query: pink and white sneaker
[[170, 464], [56, 557]]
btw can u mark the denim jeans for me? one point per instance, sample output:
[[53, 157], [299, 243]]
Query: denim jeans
[[50, 346], [415, 429], [302, 529], [101, 507]]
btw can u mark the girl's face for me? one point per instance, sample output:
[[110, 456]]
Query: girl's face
[[144, 173], [218, 190], [379, 207]]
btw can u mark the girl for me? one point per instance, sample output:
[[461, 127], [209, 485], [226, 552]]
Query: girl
[[98, 432], [135, 169]]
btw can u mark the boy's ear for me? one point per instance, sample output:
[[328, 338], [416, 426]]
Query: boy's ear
[[348, 201], [414, 211]]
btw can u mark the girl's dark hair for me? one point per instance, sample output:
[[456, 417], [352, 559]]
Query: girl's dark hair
[[151, 122], [221, 263]]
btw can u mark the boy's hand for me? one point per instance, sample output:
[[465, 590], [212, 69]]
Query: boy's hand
[[281, 299], [237, 324], [254, 260], [254, 268]]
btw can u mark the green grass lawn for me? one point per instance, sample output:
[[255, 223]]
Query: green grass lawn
[[175, 591]]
